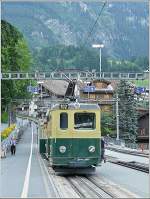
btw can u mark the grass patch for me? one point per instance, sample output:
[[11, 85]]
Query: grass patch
[[4, 117], [141, 83]]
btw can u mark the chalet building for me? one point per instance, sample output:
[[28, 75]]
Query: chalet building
[[143, 127], [102, 92]]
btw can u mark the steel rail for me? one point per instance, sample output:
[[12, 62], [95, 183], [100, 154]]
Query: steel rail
[[92, 188], [76, 188], [132, 165], [110, 195], [89, 183]]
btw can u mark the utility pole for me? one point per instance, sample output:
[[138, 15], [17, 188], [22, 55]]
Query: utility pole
[[9, 113], [100, 46], [100, 62], [117, 116], [40, 83], [41, 92]]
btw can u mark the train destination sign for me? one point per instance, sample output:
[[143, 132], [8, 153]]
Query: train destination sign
[[89, 89], [63, 106]]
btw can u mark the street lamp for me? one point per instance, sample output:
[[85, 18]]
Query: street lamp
[[100, 46]]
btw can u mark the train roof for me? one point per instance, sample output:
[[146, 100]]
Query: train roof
[[72, 106]]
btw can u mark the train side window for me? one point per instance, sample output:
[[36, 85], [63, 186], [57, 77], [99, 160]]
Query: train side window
[[63, 121]]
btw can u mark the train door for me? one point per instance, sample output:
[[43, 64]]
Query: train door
[[64, 135]]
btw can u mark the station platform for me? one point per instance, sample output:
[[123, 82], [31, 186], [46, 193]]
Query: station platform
[[123, 149], [23, 174], [122, 155]]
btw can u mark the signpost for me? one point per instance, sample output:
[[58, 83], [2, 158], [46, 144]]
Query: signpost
[[89, 89], [32, 89], [139, 90]]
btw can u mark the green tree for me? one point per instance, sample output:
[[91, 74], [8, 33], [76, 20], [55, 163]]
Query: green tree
[[127, 111], [23, 58], [15, 53], [106, 124], [15, 57]]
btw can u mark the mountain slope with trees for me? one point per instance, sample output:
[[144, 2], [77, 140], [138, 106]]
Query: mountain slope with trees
[[122, 27], [60, 56]]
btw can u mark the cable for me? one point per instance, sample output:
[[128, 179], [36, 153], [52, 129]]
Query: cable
[[90, 32]]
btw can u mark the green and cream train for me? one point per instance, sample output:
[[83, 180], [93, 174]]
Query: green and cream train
[[71, 136]]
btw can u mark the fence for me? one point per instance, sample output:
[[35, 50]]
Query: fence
[[5, 144], [122, 143]]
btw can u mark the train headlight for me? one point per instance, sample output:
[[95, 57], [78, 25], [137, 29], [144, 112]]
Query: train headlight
[[62, 149], [91, 149]]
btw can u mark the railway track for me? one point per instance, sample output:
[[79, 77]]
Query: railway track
[[132, 164], [88, 188], [128, 152]]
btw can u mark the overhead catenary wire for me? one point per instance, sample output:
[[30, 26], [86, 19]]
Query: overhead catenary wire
[[92, 28]]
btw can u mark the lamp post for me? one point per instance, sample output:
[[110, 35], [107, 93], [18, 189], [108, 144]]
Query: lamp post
[[100, 46], [117, 117]]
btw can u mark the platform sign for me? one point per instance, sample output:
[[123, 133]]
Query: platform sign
[[139, 90], [29, 89], [89, 89], [33, 89]]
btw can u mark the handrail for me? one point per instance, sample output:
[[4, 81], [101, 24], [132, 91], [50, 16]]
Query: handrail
[[83, 75]]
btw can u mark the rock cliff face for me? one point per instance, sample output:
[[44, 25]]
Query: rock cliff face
[[122, 27]]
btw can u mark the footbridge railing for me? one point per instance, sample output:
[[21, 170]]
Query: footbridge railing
[[71, 75]]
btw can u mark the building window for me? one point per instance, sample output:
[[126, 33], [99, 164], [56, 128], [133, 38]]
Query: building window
[[83, 121], [63, 121]]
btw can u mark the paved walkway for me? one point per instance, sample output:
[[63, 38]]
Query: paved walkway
[[127, 157], [3, 126], [126, 149], [23, 175]]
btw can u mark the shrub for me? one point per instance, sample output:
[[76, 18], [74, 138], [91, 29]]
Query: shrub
[[6, 132], [4, 117]]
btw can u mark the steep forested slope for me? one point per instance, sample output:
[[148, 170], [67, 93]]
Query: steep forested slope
[[122, 27]]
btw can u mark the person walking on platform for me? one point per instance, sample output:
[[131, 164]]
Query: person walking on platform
[[103, 149], [13, 146]]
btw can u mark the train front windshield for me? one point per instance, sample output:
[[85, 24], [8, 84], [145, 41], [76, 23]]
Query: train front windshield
[[83, 121]]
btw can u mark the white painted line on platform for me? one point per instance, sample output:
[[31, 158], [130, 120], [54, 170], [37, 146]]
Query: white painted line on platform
[[24, 193]]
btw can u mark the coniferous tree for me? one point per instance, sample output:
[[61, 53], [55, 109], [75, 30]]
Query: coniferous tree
[[127, 111]]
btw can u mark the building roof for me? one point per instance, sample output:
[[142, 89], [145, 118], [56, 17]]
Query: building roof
[[143, 115], [57, 87], [102, 80], [114, 84]]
